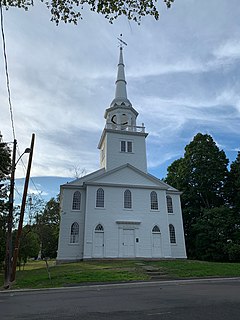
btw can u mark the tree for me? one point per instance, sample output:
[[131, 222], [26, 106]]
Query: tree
[[201, 175], [70, 11], [29, 246], [78, 172], [206, 170], [47, 228], [5, 166], [217, 235], [233, 186]]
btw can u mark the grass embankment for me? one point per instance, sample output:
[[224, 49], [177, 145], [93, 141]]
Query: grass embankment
[[197, 269], [35, 274]]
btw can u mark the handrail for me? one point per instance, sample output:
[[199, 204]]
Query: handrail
[[121, 127]]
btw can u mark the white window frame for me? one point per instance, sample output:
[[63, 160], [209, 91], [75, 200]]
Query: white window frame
[[74, 233], [76, 201], [172, 234], [126, 146], [127, 199], [154, 201], [169, 204], [100, 201]]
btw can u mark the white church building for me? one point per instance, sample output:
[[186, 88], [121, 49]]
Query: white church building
[[120, 210]]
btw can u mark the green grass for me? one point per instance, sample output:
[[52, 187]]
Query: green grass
[[35, 273], [195, 269]]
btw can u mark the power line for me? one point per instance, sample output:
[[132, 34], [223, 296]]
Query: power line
[[6, 72]]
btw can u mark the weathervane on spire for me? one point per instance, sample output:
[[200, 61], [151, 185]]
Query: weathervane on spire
[[121, 42]]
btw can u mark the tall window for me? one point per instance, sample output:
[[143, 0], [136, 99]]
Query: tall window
[[123, 146], [129, 146], [74, 237], [172, 234], [76, 204], [169, 204], [154, 200], [127, 199], [126, 146], [100, 198]]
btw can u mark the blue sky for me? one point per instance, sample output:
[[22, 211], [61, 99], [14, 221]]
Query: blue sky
[[182, 73]]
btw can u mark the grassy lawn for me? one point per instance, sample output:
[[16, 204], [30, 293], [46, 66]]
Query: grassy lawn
[[195, 269], [35, 273]]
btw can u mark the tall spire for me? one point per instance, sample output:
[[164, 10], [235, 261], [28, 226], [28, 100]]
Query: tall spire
[[121, 84], [121, 89]]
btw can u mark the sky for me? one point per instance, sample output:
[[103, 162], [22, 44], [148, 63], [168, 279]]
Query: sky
[[182, 77]]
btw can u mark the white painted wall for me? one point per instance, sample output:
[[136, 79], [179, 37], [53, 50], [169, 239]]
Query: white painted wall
[[114, 218], [115, 158], [66, 250]]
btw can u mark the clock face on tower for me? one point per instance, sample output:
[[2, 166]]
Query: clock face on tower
[[123, 119]]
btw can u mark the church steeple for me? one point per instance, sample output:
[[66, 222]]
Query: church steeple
[[122, 140], [121, 84]]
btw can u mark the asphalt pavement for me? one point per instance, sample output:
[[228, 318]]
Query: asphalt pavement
[[166, 300]]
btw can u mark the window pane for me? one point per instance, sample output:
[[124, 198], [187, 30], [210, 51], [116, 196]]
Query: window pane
[[100, 198], [99, 227], [123, 146], [155, 229], [154, 200], [172, 234], [169, 204], [127, 199], [76, 204], [129, 146], [74, 237]]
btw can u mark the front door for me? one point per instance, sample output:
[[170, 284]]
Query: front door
[[156, 245], [128, 243], [98, 244]]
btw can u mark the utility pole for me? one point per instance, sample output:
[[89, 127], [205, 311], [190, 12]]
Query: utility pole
[[8, 256], [20, 223]]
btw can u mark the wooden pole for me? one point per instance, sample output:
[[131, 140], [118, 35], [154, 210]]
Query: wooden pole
[[20, 223], [8, 256]]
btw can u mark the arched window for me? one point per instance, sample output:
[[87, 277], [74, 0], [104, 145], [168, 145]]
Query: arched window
[[74, 237], [100, 198], [76, 204], [154, 200], [169, 204], [172, 234], [156, 229], [99, 228], [127, 199]]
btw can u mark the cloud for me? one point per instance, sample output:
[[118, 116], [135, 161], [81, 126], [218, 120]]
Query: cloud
[[229, 50], [182, 74]]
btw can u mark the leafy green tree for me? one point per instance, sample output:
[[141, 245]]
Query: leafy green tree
[[70, 11], [217, 235], [5, 166], [29, 246], [47, 228], [206, 170], [233, 186], [201, 175]]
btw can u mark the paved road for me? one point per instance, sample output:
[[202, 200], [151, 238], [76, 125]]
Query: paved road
[[216, 299]]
